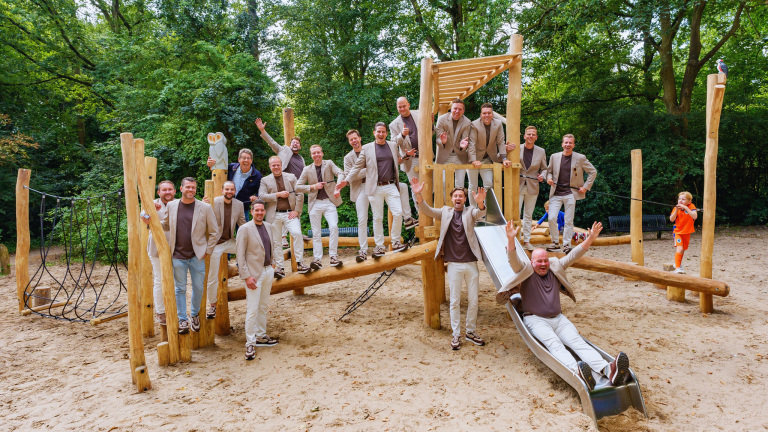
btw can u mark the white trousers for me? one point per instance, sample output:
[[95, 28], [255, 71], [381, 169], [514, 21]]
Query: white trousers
[[361, 205], [485, 174], [527, 212], [281, 224], [157, 285], [405, 205], [320, 209], [257, 305], [391, 194], [568, 202], [229, 247], [467, 273], [557, 333]]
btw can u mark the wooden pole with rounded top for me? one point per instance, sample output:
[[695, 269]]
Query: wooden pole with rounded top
[[514, 98], [289, 132], [22, 235], [222, 303], [636, 208], [147, 281], [201, 339]]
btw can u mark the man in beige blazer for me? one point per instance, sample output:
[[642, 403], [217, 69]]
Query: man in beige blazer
[[565, 175], [165, 192], [406, 127], [452, 137], [540, 282], [318, 180], [284, 206], [378, 159], [460, 250], [256, 266], [534, 161], [189, 221], [486, 146], [356, 193], [229, 213]]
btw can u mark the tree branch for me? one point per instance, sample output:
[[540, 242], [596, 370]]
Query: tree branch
[[88, 64], [420, 21], [734, 26]]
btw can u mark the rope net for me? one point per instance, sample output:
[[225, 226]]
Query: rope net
[[81, 259]]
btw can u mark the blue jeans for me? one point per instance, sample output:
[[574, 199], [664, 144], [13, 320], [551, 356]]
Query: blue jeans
[[196, 269]]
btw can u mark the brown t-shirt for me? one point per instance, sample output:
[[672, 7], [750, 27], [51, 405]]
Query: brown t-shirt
[[184, 249], [541, 295], [226, 230], [564, 178], [413, 133], [267, 242], [455, 245], [282, 203], [295, 165], [321, 194], [527, 157], [480, 157], [384, 162]]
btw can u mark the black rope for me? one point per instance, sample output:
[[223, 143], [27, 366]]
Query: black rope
[[368, 293], [618, 196]]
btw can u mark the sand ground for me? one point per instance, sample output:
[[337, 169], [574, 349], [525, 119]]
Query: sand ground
[[382, 369]]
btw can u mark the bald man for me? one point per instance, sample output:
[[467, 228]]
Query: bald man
[[541, 281]]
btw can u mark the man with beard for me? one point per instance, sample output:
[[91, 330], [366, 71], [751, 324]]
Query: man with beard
[[460, 250], [165, 192]]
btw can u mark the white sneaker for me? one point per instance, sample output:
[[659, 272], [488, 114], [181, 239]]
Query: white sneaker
[[679, 270]]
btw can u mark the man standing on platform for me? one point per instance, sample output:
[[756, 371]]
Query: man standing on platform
[[565, 174], [486, 138], [317, 180], [357, 193], [452, 131], [247, 179], [534, 171], [405, 128], [460, 250], [255, 263], [189, 220], [378, 159], [229, 213], [284, 207], [166, 192]]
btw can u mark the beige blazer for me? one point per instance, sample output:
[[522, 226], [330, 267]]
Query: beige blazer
[[268, 189], [251, 251], [445, 124], [237, 216], [203, 222], [524, 270], [538, 166], [367, 162], [283, 152], [579, 165], [355, 184], [396, 135], [495, 145], [151, 246], [329, 171], [469, 216]]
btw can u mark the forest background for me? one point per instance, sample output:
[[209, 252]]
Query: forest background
[[618, 74]]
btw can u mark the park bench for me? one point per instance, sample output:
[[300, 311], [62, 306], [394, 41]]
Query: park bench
[[651, 223]]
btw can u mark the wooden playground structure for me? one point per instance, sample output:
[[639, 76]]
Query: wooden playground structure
[[441, 82]]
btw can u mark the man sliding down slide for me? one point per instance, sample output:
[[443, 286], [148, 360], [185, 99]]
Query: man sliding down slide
[[540, 282]]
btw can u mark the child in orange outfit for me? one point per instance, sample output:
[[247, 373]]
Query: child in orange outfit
[[683, 215]]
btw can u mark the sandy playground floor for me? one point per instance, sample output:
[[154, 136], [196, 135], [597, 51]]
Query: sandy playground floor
[[382, 369]]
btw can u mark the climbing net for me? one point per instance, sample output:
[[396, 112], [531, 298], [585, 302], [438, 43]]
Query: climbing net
[[80, 258]]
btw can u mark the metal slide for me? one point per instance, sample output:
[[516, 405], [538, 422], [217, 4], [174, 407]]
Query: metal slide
[[605, 399]]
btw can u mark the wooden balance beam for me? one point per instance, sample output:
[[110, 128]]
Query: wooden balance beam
[[347, 271]]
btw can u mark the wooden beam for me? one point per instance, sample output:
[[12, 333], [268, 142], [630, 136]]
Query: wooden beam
[[22, 234], [514, 98], [461, 64], [289, 132], [347, 271], [484, 80], [102, 320], [464, 78], [29, 311], [146, 278], [201, 339], [436, 90], [221, 322], [600, 241], [636, 208]]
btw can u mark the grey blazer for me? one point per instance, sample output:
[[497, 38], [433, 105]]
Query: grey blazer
[[356, 183], [579, 165], [445, 124], [268, 189], [469, 216], [329, 171], [237, 216], [283, 152], [396, 135], [538, 167], [203, 222], [366, 162], [151, 246], [250, 250], [495, 145]]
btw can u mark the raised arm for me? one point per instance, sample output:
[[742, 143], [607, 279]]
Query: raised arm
[[272, 143], [423, 206]]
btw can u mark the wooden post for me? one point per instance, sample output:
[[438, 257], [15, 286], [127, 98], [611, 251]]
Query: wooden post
[[715, 94], [636, 208], [430, 284], [514, 98], [202, 338], [22, 234], [147, 299], [135, 341], [185, 348], [162, 353], [41, 296], [5, 260], [674, 293], [222, 304], [163, 249], [288, 133]]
